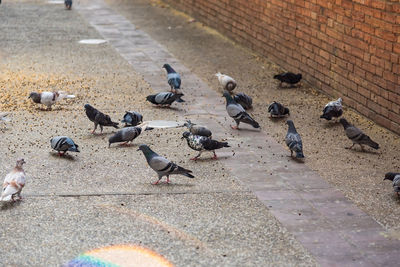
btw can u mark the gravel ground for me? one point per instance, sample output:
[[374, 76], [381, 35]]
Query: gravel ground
[[359, 175], [103, 196]]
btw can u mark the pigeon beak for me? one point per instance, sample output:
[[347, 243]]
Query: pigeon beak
[[182, 137], [138, 149]]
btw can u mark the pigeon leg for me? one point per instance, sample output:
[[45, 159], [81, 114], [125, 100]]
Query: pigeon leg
[[95, 127], [101, 128], [350, 147], [156, 182], [291, 153], [237, 125], [61, 154], [195, 158], [215, 155], [168, 181], [362, 148]]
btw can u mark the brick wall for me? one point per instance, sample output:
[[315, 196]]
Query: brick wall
[[348, 48]]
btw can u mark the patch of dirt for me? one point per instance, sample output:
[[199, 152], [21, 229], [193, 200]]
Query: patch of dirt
[[359, 175]]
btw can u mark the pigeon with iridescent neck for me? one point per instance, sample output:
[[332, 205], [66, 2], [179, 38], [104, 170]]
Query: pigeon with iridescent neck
[[161, 165], [238, 113]]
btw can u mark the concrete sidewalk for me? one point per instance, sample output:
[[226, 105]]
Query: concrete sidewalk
[[103, 196]]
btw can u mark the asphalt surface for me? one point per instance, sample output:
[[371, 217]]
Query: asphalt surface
[[103, 196]]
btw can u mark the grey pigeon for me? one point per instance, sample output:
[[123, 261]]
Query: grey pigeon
[[293, 140], [244, 100], [63, 144], [288, 77], [174, 80], [202, 143], [332, 109], [197, 129], [163, 98], [238, 113], [68, 4], [128, 134], [161, 165], [99, 118], [277, 110], [132, 118], [395, 178], [357, 136]]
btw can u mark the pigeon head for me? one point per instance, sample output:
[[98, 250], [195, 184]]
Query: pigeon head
[[87, 106], [344, 122], [188, 124], [299, 76], [185, 135], [35, 97], [168, 68], [20, 162], [151, 98], [143, 148], [289, 122], [390, 176]]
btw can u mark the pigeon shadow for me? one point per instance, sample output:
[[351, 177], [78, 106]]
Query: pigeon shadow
[[298, 160], [171, 108], [211, 159], [10, 204], [170, 184], [276, 119], [359, 150], [66, 156], [119, 146], [331, 124], [248, 129]]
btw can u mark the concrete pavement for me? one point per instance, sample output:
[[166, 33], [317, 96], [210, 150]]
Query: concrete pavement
[[103, 196]]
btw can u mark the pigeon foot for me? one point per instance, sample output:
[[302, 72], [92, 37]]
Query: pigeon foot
[[235, 127]]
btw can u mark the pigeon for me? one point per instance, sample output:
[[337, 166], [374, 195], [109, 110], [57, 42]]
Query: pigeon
[[293, 141], [13, 183], [227, 82], [161, 165], [277, 110], [68, 4], [132, 118], [63, 144], [49, 98], [174, 80], [238, 113], [99, 118], [395, 177], [163, 98], [357, 136], [244, 100], [128, 134], [197, 129], [288, 77], [332, 109], [202, 143]]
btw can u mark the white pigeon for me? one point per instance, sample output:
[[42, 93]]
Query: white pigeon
[[13, 183], [49, 98], [227, 82]]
